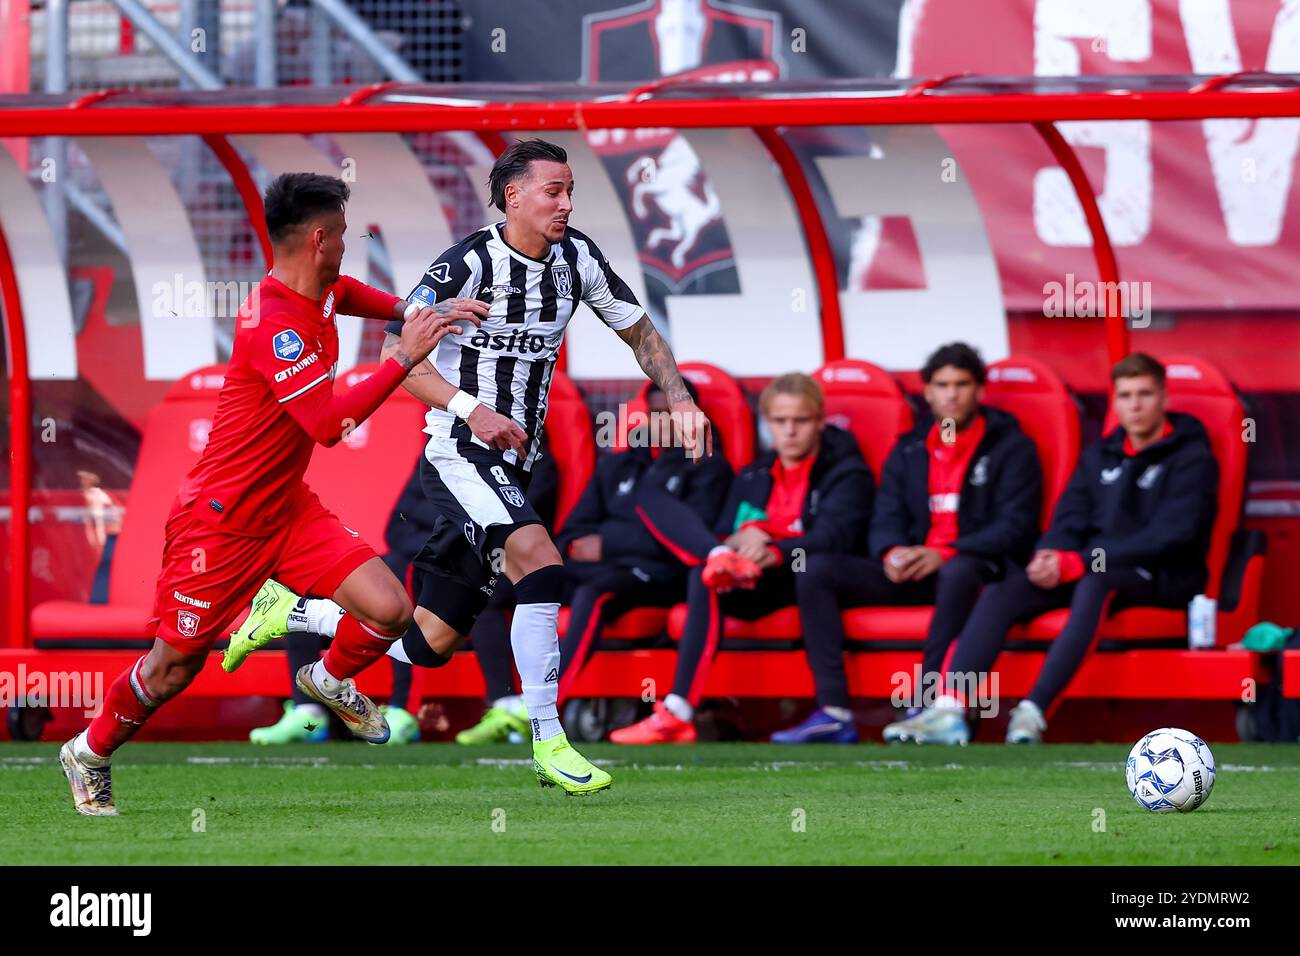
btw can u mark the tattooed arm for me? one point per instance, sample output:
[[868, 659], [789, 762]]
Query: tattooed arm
[[656, 360]]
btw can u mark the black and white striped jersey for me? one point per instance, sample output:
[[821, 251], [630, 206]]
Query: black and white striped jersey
[[508, 362]]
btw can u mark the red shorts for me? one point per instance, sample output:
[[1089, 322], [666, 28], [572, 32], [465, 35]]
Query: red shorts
[[209, 576]]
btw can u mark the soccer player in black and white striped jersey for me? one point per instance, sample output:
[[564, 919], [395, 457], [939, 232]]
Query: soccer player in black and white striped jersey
[[487, 393]]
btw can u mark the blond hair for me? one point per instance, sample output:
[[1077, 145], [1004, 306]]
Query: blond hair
[[793, 383]]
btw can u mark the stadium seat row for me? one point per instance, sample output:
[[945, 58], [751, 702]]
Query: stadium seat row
[[362, 477]]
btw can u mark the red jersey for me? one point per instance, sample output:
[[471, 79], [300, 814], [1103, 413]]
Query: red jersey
[[948, 464], [784, 512], [278, 401]]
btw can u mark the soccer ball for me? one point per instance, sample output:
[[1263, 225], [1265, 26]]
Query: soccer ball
[[1170, 769]]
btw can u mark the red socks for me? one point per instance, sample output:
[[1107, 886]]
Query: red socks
[[126, 707], [355, 648]]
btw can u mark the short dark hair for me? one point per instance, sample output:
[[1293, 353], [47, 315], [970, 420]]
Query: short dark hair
[[513, 163], [295, 198], [958, 355], [1139, 363]]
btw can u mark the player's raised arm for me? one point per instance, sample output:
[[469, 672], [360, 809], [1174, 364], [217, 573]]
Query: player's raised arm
[[656, 360], [616, 305], [366, 301], [304, 389], [426, 384]]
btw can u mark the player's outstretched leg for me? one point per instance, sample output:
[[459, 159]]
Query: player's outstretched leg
[[131, 700], [537, 657], [370, 611]]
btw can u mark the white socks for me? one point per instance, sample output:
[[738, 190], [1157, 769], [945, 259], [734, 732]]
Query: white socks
[[510, 704], [81, 748], [316, 616], [537, 657], [679, 707], [329, 685]]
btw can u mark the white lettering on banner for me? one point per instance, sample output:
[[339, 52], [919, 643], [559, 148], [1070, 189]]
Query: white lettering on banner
[[42, 282], [770, 258], [1123, 28], [898, 327], [160, 237], [1252, 159]]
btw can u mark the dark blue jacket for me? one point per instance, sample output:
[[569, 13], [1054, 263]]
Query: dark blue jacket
[[1152, 511], [997, 517], [608, 504]]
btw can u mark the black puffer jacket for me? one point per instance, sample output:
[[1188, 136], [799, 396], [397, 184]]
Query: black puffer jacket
[[837, 509], [608, 504], [997, 518], [1153, 510]]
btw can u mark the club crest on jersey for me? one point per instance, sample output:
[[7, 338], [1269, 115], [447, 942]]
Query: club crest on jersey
[[1149, 477], [288, 345], [423, 295], [187, 622], [512, 495], [562, 277]]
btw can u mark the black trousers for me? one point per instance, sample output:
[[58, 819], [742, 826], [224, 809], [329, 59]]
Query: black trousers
[[832, 582], [1016, 599], [490, 640], [599, 593], [704, 614]]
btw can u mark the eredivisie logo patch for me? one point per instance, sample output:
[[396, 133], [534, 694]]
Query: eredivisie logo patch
[[288, 345]]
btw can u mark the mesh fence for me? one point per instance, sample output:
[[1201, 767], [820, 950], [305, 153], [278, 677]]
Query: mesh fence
[[106, 51]]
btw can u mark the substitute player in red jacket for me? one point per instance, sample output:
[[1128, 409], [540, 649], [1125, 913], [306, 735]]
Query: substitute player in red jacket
[[243, 512]]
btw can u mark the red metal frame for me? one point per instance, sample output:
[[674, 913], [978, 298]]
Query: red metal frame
[[20, 450], [247, 189], [1117, 338], [819, 244], [680, 113], [920, 104]]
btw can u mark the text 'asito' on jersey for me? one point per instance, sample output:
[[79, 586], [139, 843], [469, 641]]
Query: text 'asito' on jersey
[[508, 362]]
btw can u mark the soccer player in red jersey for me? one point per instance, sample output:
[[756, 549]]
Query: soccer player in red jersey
[[244, 513]]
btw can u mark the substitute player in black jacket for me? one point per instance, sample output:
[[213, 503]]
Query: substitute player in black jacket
[[1131, 528], [613, 562], [958, 504], [810, 495]]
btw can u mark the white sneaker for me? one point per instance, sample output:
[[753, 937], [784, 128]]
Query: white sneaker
[[1027, 724], [354, 708], [92, 787], [934, 725]]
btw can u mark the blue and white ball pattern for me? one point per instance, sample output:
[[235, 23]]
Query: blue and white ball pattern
[[1170, 769]]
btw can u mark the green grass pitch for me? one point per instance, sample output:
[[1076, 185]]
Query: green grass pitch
[[439, 804]]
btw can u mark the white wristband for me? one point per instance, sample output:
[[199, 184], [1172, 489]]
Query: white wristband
[[462, 404], [411, 312]]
